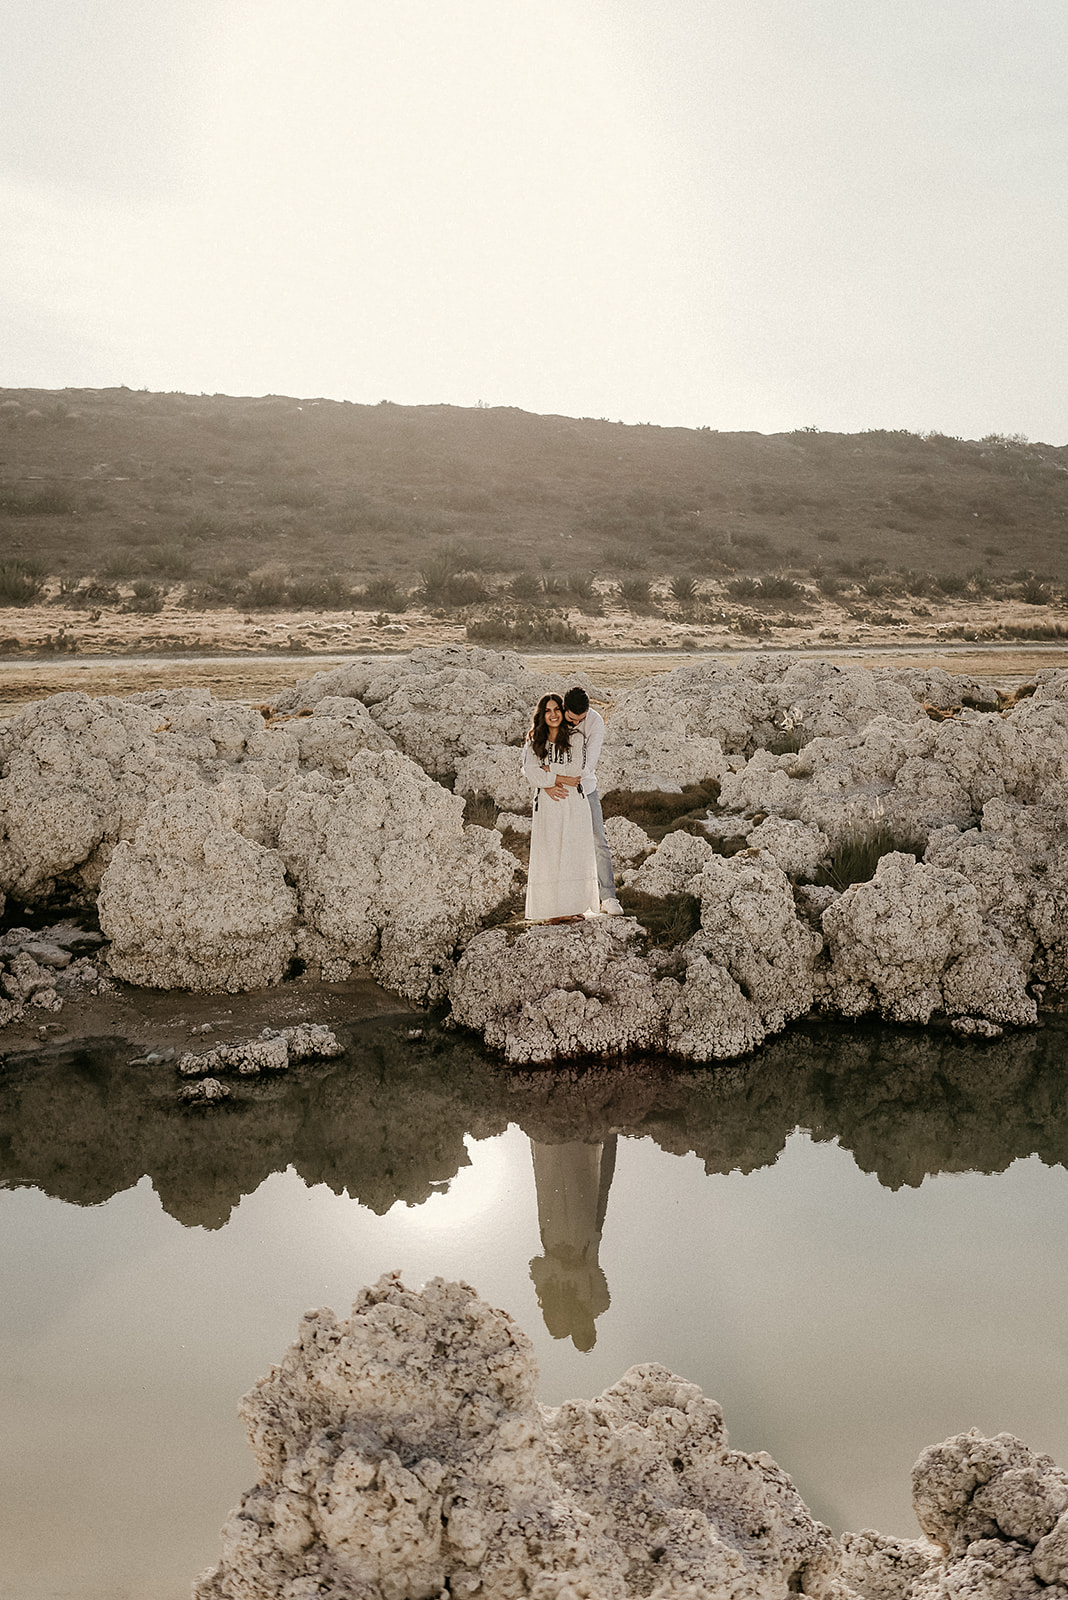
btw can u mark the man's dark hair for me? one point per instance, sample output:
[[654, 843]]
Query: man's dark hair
[[577, 700]]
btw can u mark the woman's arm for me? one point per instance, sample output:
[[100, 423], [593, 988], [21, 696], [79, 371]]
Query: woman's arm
[[534, 771]]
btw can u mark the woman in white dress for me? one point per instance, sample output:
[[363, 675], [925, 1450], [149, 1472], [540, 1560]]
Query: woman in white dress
[[562, 875]]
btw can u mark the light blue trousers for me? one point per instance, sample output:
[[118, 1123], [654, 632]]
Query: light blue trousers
[[606, 876]]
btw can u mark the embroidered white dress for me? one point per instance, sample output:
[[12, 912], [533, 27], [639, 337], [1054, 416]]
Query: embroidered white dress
[[562, 875]]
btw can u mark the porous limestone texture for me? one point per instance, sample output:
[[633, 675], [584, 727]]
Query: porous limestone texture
[[742, 706], [554, 993], [79, 774], [387, 873], [560, 992], [912, 942], [915, 775], [796, 847], [190, 903], [996, 1518], [627, 842], [442, 703], [402, 1456], [675, 867], [271, 1052], [750, 968]]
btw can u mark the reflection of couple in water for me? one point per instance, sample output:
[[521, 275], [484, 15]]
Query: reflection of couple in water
[[570, 873]]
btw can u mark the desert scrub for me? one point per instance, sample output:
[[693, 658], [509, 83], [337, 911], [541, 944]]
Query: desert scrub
[[580, 585], [634, 591], [382, 594], [20, 582], [1035, 592], [446, 580], [524, 586], [858, 853], [266, 587], [667, 922], [324, 592], [499, 629], [144, 597], [683, 588]]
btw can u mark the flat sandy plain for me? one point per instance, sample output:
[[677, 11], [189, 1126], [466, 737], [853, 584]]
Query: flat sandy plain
[[47, 649]]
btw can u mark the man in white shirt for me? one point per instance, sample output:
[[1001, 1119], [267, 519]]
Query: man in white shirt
[[590, 724]]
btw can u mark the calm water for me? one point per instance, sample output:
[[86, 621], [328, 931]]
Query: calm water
[[855, 1242]]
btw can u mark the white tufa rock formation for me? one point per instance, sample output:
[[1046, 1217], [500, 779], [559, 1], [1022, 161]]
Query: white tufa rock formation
[[402, 1455]]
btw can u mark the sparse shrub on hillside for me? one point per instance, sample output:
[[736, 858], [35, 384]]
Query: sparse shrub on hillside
[[323, 592], [683, 588], [524, 586], [744, 588], [776, 586], [877, 584], [631, 558], [382, 594], [122, 564], [917, 583], [146, 597], [980, 580], [634, 591], [522, 633], [90, 592], [580, 585], [1035, 592], [20, 583], [552, 587], [829, 536], [447, 581], [828, 584], [168, 560], [952, 583], [266, 587]]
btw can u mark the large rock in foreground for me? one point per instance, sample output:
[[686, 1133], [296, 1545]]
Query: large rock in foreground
[[402, 1455]]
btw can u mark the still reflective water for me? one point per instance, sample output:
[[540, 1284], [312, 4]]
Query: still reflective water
[[854, 1241]]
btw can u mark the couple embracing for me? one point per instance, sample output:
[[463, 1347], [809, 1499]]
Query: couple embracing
[[570, 873]]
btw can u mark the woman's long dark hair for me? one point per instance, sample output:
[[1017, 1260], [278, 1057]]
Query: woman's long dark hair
[[539, 735]]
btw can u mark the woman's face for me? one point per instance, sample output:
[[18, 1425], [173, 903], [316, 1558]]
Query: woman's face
[[554, 715]]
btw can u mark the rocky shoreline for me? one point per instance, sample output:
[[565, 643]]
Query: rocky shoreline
[[233, 851]]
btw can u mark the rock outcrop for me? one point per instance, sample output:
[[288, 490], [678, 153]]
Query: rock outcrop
[[402, 1455], [227, 851]]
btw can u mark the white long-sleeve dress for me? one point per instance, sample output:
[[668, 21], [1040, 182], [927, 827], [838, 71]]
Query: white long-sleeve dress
[[562, 875]]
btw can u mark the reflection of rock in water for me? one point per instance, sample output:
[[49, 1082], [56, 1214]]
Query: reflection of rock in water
[[572, 1181], [386, 1122]]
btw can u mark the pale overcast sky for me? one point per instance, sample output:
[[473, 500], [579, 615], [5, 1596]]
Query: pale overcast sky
[[739, 213]]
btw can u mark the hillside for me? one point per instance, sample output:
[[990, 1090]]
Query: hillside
[[264, 502]]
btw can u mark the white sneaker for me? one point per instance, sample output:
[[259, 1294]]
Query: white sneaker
[[612, 908]]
